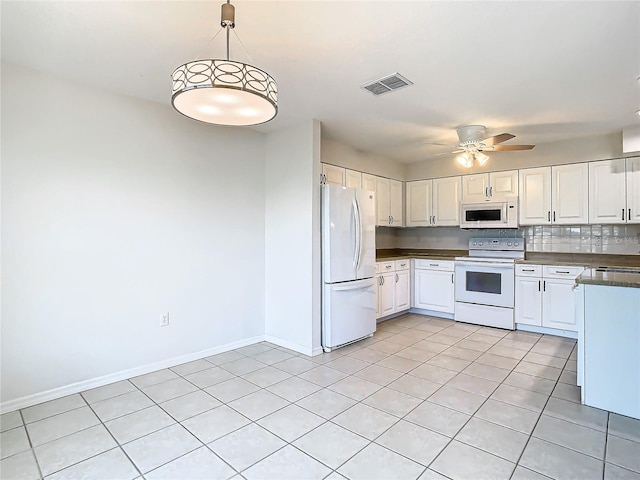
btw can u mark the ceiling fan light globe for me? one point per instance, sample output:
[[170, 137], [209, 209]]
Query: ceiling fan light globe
[[465, 160], [482, 159]]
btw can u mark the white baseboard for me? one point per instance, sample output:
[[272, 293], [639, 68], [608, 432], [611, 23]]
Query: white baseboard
[[36, 398], [431, 313], [310, 352], [547, 331]]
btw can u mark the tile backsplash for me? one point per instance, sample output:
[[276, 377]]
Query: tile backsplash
[[608, 239], [614, 239]]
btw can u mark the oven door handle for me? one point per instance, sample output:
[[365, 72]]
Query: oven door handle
[[500, 266]]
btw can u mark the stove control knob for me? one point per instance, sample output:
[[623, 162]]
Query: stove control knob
[[480, 244], [508, 244], [475, 244], [516, 244]]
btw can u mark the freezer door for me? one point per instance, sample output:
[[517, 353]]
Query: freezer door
[[366, 203], [349, 312], [340, 235]]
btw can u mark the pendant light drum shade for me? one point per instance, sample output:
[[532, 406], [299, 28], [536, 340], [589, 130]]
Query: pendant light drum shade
[[224, 92]]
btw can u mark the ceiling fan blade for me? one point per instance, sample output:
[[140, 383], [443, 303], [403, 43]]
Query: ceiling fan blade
[[446, 153], [507, 148], [503, 137]]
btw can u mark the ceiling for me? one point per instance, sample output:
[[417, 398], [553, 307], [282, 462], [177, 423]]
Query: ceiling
[[543, 71]]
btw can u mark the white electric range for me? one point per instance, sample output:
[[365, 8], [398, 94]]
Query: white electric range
[[485, 282]]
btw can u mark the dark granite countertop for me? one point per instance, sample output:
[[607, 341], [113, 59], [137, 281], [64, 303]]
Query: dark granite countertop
[[612, 279]]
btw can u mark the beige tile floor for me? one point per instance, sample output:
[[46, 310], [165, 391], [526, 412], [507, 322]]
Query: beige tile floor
[[424, 398]]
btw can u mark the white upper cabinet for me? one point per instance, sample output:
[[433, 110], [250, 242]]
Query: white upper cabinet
[[475, 188], [535, 196], [395, 203], [446, 201], [419, 203], [382, 201], [607, 192], [633, 189], [487, 186], [332, 174], [558, 195], [389, 202], [504, 184], [352, 179], [433, 202], [369, 182], [570, 194]]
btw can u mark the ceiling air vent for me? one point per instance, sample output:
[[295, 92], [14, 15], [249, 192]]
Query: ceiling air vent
[[387, 84]]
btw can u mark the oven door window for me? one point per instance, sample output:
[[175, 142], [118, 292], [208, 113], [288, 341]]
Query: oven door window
[[484, 215], [484, 282]]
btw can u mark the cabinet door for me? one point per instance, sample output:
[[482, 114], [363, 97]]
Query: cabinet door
[[570, 194], [528, 307], [475, 188], [558, 305], [446, 201], [607, 196], [387, 293], [503, 184], [352, 179], [402, 290], [433, 290], [382, 201], [368, 182], [419, 203], [633, 190], [378, 293], [395, 203], [332, 174], [535, 196]]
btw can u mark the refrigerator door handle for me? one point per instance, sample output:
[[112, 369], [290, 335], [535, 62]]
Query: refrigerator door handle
[[360, 229], [356, 239], [351, 287]]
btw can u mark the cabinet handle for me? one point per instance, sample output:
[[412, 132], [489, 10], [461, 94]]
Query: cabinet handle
[[388, 266], [391, 219], [623, 214], [629, 216], [396, 278], [554, 216], [549, 216], [434, 219], [539, 285], [527, 270], [434, 265], [561, 271], [491, 191], [486, 191], [382, 278], [544, 286], [452, 278]]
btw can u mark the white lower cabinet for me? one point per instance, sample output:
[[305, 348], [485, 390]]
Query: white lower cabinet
[[394, 287], [545, 297], [433, 287]]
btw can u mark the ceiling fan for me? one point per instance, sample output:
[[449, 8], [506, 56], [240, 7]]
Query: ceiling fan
[[473, 145]]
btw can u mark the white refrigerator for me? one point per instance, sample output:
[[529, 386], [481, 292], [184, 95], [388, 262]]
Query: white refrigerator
[[348, 265]]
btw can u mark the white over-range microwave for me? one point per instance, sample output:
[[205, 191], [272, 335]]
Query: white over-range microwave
[[501, 213]]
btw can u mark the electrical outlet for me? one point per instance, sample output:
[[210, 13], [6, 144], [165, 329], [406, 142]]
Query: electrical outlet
[[165, 320]]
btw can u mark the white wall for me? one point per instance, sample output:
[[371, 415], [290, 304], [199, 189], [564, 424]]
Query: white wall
[[292, 237], [555, 153], [345, 156], [115, 211]]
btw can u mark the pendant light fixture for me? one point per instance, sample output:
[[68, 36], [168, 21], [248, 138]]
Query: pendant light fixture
[[224, 92]]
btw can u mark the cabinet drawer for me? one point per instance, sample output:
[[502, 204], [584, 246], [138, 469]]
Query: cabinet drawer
[[527, 270], [562, 271], [441, 265], [402, 265], [382, 267]]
